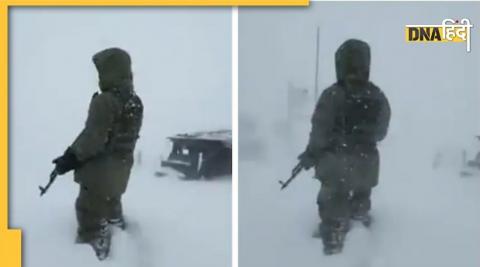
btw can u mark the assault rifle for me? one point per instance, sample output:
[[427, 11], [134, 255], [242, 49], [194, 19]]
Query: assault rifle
[[53, 176], [296, 170]]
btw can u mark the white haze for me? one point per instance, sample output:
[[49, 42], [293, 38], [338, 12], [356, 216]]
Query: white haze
[[423, 217], [182, 71]]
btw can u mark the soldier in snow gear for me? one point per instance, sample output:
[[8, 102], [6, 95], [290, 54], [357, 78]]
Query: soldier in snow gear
[[350, 117], [102, 154]]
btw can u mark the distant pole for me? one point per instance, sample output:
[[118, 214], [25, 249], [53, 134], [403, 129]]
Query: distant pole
[[316, 62], [139, 157]]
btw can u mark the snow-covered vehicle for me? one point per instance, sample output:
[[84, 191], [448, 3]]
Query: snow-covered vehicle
[[471, 167], [201, 154]]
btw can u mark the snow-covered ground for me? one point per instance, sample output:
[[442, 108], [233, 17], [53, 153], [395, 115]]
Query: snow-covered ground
[[422, 216], [181, 64], [172, 223]]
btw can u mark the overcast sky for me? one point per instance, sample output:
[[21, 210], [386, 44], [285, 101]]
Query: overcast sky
[[181, 63], [433, 88]]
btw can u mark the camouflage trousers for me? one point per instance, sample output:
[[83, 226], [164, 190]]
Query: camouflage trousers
[[337, 204], [94, 212]]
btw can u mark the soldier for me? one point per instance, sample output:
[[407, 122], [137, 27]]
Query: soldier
[[102, 155], [350, 117]]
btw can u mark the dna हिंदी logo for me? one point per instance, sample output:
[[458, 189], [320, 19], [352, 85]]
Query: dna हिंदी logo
[[450, 30]]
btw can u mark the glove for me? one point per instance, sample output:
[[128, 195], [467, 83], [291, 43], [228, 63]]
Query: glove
[[67, 162], [307, 160]]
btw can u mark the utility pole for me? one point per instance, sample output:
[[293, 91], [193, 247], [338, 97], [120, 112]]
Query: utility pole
[[316, 62]]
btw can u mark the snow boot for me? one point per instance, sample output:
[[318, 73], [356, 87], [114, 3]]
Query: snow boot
[[333, 242], [333, 236], [80, 240], [118, 222], [101, 242], [365, 219]]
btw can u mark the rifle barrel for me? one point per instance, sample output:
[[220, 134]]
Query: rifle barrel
[[53, 176], [296, 170]]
